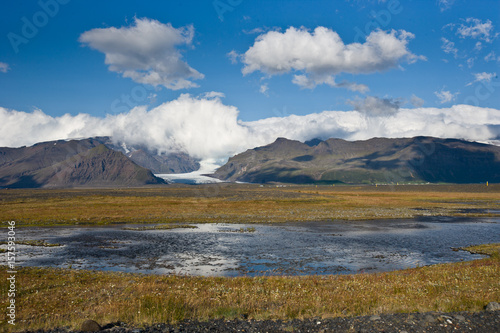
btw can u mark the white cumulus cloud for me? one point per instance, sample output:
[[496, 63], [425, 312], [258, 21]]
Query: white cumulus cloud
[[316, 57], [204, 127], [477, 29], [307, 82], [146, 52], [449, 47], [374, 106], [482, 77], [445, 4], [213, 94], [4, 68], [362, 88], [458, 121], [491, 57], [470, 62], [264, 88], [233, 56], [210, 130], [445, 96], [416, 101]]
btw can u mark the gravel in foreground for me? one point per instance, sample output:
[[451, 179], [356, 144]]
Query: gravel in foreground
[[481, 322]]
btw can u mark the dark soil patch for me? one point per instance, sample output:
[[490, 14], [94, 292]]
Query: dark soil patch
[[479, 322]]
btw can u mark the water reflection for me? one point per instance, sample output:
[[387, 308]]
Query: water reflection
[[277, 249]]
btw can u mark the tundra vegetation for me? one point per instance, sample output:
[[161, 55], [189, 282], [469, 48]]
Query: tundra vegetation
[[238, 203], [50, 297]]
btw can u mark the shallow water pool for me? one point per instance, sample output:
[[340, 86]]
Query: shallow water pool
[[303, 248]]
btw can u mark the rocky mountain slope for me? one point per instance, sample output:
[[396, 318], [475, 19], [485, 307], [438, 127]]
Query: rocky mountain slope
[[378, 160], [158, 163], [71, 163], [165, 163]]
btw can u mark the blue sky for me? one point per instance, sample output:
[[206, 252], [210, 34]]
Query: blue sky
[[247, 55], [55, 72]]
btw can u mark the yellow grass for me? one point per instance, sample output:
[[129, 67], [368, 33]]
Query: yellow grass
[[49, 298], [243, 204]]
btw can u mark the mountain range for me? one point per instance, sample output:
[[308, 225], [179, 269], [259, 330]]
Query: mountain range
[[101, 162], [378, 160], [97, 161]]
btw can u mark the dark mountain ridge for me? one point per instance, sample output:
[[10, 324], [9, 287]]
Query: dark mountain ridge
[[377, 160], [62, 163], [158, 163]]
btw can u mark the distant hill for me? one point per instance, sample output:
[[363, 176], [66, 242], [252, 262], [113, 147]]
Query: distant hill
[[378, 160], [61, 163]]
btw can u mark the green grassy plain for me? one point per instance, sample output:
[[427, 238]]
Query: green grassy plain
[[50, 298]]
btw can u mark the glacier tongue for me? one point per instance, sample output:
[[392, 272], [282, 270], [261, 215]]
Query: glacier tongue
[[196, 177]]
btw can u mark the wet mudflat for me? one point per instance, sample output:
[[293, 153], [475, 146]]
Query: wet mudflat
[[255, 249]]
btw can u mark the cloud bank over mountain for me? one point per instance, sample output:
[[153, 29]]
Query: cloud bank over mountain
[[206, 128]]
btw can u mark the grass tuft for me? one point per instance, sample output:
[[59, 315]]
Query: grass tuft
[[33, 242]]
